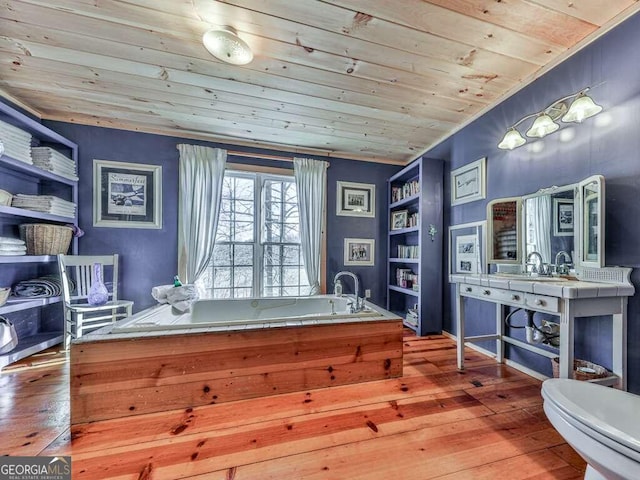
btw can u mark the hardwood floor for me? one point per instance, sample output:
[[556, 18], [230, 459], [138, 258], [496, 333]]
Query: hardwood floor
[[434, 422]]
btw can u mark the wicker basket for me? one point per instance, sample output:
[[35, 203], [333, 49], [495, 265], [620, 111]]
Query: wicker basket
[[582, 370], [45, 239]]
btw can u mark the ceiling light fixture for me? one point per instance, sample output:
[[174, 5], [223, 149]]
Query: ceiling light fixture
[[225, 44], [581, 108]]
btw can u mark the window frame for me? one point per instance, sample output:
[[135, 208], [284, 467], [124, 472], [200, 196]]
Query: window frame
[[259, 175]]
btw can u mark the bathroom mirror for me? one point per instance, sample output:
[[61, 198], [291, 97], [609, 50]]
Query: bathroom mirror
[[504, 231], [567, 219], [591, 193], [549, 223]]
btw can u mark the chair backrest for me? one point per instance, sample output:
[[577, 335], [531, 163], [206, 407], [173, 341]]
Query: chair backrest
[[77, 271]]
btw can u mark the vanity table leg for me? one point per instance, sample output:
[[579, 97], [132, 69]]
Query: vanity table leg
[[566, 341], [460, 327], [500, 309], [619, 337]]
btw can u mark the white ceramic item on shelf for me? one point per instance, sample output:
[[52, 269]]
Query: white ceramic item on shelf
[[597, 421], [4, 295], [5, 198]]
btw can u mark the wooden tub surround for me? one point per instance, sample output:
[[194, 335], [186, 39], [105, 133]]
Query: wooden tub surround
[[124, 375]]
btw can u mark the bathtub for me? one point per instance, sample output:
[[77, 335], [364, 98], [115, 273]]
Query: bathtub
[[222, 315], [229, 350]]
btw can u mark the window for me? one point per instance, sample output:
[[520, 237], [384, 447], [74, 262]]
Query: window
[[257, 251]]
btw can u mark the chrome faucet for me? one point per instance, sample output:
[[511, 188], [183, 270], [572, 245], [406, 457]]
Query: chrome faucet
[[537, 267], [336, 281], [562, 268]]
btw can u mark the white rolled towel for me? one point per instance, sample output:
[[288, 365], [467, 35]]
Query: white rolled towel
[[182, 297], [159, 293]]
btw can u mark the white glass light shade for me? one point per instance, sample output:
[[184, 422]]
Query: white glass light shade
[[225, 45], [543, 125], [512, 139], [581, 108]]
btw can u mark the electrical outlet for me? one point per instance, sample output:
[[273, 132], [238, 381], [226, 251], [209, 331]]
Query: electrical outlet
[[367, 293]]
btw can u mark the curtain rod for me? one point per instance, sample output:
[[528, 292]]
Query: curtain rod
[[259, 155], [265, 156]]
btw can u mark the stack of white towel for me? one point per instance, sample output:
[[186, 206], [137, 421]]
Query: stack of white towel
[[12, 246], [53, 161], [17, 143], [45, 204], [179, 298]]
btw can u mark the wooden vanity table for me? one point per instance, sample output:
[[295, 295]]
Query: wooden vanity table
[[599, 291]]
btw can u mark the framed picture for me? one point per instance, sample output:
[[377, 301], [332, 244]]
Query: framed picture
[[399, 219], [468, 183], [359, 251], [467, 248], [562, 217], [127, 195], [356, 199]]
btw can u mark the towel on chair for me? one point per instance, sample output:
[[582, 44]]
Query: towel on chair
[[179, 298]]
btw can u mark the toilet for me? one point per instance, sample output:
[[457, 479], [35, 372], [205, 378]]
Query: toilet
[[602, 424]]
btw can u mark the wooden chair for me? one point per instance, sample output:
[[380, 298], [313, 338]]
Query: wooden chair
[[76, 272]]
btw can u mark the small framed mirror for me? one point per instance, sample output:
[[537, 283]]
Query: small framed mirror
[[592, 201], [549, 223], [503, 231]]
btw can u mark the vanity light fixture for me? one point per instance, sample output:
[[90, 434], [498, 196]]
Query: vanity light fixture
[[512, 139], [225, 44], [581, 108], [542, 126]]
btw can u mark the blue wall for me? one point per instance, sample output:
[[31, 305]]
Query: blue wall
[[607, 144], [149, 257]]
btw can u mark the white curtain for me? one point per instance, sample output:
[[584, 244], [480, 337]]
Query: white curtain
[[201, 174], [311, 180], [542, 226]]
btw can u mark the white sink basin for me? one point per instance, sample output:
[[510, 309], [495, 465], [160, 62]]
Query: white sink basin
[[527, 277]]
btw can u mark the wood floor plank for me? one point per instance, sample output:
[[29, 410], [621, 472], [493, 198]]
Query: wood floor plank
[[569, 455], [543, 464], [280, 438], [485, 422], [509, 395], [29, 441], [422, 454], [34, 403], [122, 432]]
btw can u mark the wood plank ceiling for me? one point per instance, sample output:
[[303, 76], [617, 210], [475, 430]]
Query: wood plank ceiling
[[364, 79]]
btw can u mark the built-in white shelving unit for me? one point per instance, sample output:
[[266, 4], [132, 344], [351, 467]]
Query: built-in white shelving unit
[[414, 260], [39, 321]]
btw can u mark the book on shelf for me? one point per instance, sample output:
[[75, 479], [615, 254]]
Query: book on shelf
[[408, 251], [405, 278], [412, 317], [400, 192]]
